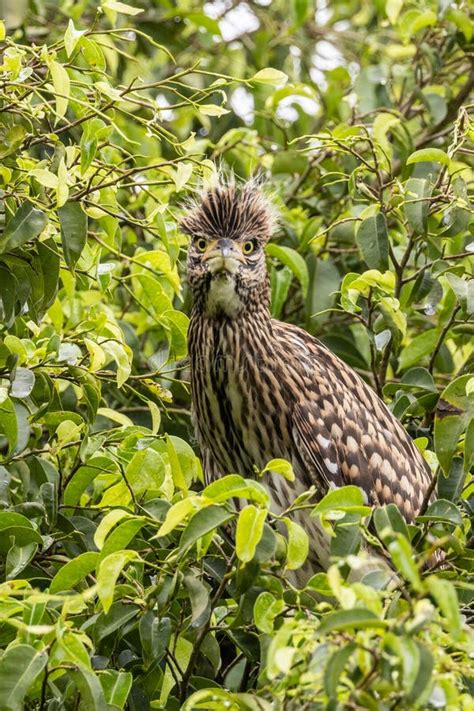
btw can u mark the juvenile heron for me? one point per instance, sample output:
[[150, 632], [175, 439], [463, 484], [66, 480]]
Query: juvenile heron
[[263, 389]]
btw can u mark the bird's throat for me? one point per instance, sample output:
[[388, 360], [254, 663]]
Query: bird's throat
[[222, 296]]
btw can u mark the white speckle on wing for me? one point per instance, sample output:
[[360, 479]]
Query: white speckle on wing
[[323, 441], [331, 466]]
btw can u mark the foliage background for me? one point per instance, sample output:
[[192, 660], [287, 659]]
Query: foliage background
[[123, 584]]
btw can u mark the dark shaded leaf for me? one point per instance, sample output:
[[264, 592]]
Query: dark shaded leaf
[[73, 222], [26, 224], [19, 668], [372, 239]]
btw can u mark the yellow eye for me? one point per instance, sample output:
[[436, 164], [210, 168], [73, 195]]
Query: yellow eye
[[201, 244], [248, 247]]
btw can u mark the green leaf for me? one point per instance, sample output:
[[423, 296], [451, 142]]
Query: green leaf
[[122, 535], [20, 667], [293, 260], [301, 9], [428, 155], [469, 447], [335, 667], [451, 485], [415, 20], [280, 280], [421, 346], [444, 511], [457, 219], [356, 618], [454, 413], [324, 285], [73, 222], [27, 223], [298, 545], [267, 545], [212, 700], [280, 466], [19, 536], [182, 175], [121, 7], [91, 694], [72, 37], [177, 514], [45, 177], [117, 617], [389, 521], [417, 202], [116, 686], [62, 87], [18, 557], [446, 598], [249, 531], [74, 571], [199, 597], [22, 383], [348, 499], [320, 584], [423, 678], [212, 110], [9, 519], [84, 476], [9, 423], [384, 122], [393, 8], [106, 524], [108, 573], [176, 469], [372, 240], [155, 635], [410, 655], [94, 56], [235, 486], [265, 609], [202, 523], [464, 290], [145, 472], [273, 77], [402, 556]]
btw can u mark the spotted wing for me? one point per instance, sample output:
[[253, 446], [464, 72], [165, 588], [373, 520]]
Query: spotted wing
[[347, 433]]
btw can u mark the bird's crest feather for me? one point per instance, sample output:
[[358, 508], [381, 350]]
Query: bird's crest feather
[[228, 209]]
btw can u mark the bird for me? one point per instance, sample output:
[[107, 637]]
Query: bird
[[262, 389]]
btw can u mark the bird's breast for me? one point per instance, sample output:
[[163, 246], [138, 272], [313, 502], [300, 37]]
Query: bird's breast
[[240, 407]]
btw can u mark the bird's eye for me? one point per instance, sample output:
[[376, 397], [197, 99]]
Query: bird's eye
[[248, 247], [201, 244]]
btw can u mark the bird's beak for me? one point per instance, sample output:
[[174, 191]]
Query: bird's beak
[[224, 255]]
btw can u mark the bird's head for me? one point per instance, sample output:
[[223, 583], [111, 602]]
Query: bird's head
[[229, 227]]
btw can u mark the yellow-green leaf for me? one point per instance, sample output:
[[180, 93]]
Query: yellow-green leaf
[[72, 37], [212, 110], [298, 545], [177, 513], [121, 7], [96, 354], [115, 416], [249, 532], [271, 76], [62, 85], [108, 573], [106, 525], [62, 190]]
